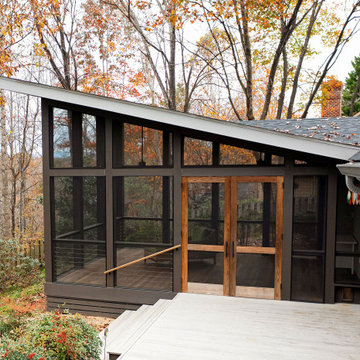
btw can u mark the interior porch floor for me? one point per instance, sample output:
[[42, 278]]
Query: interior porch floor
[[217, 327]]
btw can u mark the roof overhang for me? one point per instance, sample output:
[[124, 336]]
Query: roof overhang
[[356, 157], [350, 169], [179, 119]]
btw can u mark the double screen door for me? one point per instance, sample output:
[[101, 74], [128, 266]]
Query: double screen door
[[232, 235]]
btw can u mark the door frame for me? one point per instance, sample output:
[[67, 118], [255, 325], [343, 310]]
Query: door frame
[[229, 248], [184, 228]]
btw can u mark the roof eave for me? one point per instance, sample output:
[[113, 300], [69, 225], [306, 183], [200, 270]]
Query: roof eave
[[350, 169], [207, 125]]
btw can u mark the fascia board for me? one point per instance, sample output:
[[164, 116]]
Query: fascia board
[[350, 169], [203, 124]]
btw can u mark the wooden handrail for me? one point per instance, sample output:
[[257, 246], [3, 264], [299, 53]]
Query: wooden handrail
[[142, 259]]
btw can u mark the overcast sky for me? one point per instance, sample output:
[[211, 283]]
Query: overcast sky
[[343, 65], [352, 49]]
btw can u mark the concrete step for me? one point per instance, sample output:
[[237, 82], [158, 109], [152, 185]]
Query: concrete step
[[124, 333]]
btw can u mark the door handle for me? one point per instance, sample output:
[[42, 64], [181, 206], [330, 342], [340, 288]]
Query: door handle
[[233, 249], [226, 249]]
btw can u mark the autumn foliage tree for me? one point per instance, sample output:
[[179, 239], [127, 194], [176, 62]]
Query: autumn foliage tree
[[106, 54], [258, 49], [55, 30], [12, 15], [160, 30], [254, 54]]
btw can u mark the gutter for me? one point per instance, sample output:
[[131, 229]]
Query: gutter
[[351, 171]]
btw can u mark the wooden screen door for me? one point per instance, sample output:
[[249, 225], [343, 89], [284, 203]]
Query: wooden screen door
[[232, 235]]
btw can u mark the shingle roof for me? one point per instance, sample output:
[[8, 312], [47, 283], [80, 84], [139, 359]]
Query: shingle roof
[[338, 130]]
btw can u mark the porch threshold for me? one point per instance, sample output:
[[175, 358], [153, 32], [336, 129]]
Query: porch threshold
[[199, 327]]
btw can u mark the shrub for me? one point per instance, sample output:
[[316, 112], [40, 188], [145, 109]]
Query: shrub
[[16, 269], [10, 321], [54, 336]]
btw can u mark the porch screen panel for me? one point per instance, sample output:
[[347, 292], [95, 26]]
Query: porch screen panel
[[308, 245], [347, 269], [232, 155], [77, 140], [277, 160], [78, 235], [62, 150], [239, 156], [140, 146], [206, 213], [307, 278], [197, 152], [255, 270], [143, 225], [256, 218], [93, 141], [206, 227]]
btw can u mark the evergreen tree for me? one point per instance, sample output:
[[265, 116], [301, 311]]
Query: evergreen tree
[[351, 92]]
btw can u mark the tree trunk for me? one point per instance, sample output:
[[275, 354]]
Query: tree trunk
[[4, 215], [13, 207], [283, 85], [22, 191], [286, 33], [248, 62], [172, 78], [314, 15]]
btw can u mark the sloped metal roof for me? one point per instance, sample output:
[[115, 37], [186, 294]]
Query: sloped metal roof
[[269, 132]]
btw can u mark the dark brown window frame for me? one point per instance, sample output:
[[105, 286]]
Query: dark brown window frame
[[77, 143], [78, 219], [117, 147]]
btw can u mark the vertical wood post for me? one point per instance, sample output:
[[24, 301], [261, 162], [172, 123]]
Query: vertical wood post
[[177, 254], [46, 141], [330, 241], [110, 278], [233, 236], [287, 228], [279, 237], [184, 234], [228, 256]]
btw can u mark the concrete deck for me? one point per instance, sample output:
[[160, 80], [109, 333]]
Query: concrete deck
[[217, 327]]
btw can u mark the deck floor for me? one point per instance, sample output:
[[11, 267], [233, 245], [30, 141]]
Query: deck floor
[[217, 327]]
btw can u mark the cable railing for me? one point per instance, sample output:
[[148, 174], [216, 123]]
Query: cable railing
[[142, 259]]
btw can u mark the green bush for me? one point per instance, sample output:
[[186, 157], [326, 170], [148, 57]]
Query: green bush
[[10, 321], [53, 336], [16, 269]]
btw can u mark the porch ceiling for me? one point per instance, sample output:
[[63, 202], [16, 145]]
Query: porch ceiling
[[241, 131]]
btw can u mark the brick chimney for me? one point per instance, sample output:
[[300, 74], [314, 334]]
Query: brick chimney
[[331, 98]]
